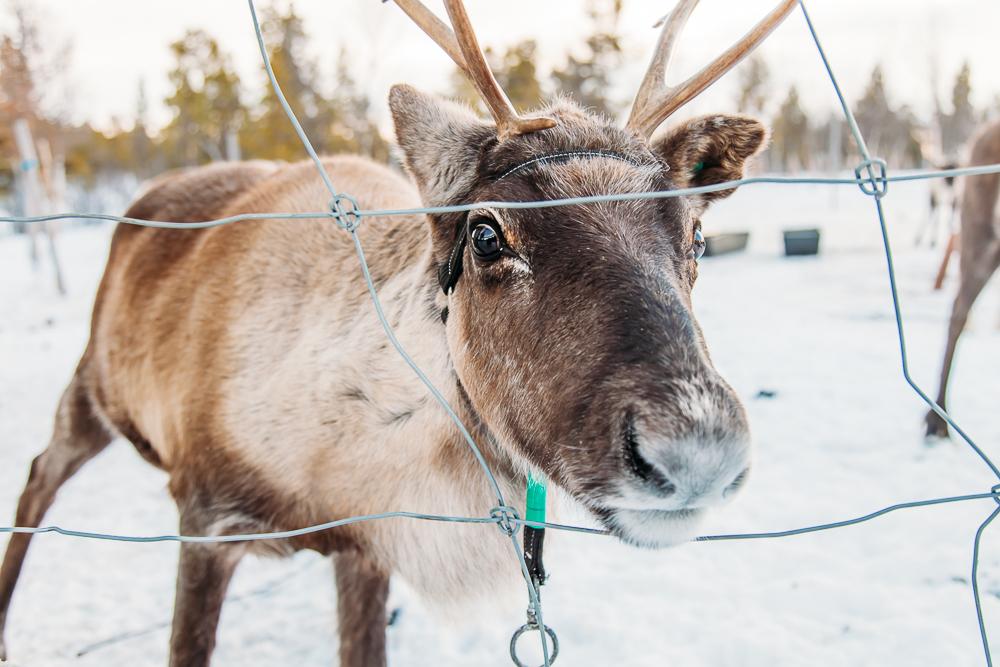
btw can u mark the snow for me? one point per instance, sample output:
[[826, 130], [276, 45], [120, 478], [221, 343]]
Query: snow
[[842, 436]]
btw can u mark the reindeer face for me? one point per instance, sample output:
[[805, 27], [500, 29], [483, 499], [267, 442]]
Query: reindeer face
[[571, 328]]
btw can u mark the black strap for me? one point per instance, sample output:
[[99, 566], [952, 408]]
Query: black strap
[[533, 541], [563, 156], [451, 271]]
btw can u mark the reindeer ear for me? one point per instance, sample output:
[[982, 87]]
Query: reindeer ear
[[708, 150], [441, 143]]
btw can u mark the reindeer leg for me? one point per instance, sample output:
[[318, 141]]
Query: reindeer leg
[[976, 270], [945, 260], [203, 576], [78, 436], [362, 590]]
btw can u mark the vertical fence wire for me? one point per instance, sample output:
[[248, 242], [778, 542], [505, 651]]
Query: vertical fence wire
[[351, 226], [340, 216]]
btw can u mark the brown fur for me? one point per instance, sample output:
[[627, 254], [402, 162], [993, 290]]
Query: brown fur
[[979, 254], [362, 590], [246, 361]]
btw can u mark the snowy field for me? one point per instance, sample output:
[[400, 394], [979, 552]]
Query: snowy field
[[841, 436]]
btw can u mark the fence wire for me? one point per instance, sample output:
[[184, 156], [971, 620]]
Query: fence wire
[[871, 177]]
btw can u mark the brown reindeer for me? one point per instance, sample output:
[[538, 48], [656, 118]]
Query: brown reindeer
[[244, 361], [979, 253]]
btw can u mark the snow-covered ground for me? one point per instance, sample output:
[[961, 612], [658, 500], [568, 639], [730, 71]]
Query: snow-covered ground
[[841, 436]]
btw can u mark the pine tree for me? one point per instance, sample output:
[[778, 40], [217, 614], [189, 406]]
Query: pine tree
[[205, 101], [587, 78], [958, 126], [353, 130], [519, 75], [143, 158], [754, 79], [874, 114], [790, 134], [270, 134], [515, 72], [891, 133]]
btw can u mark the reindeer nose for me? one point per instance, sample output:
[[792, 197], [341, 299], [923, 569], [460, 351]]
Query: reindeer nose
[[689, 471]]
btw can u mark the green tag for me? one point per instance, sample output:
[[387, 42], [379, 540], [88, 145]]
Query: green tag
[[535, 500], [698, 167]]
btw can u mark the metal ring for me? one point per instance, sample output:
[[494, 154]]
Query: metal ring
[[525, 628]]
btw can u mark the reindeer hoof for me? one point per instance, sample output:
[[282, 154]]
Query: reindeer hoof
[[937, 428]]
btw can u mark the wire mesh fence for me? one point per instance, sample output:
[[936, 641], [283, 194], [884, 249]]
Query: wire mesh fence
[[871, 176]]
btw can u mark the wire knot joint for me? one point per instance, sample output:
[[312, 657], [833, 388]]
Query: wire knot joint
[[871, 176], [506, 518], [345, 212]]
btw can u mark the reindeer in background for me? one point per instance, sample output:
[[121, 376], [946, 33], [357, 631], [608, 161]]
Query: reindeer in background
[[979, 252], [943, 193]]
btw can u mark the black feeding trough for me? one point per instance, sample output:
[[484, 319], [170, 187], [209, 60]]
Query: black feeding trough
[[721, 244], [801, 242]]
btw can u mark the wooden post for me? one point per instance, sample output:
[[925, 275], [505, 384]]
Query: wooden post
[[36, 196]]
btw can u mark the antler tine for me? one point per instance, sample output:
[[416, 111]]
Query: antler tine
[[435, 28], [653, 89], [463, 47], [656, 101]]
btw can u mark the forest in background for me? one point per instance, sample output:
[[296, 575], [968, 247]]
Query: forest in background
[[214, 117]]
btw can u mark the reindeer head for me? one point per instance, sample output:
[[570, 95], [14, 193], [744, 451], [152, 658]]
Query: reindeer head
[[571, 328]]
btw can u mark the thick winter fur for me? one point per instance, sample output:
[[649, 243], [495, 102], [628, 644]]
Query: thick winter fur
[[979, 253], [248, 363]]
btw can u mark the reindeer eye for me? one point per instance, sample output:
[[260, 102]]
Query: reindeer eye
[[698, 245], [487, 244]]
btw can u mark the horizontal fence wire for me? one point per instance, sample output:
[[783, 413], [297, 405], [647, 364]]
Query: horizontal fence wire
[[871, 177], [916, 175], [444, 518]]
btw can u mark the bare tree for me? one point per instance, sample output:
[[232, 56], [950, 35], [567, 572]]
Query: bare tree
[[31, 133], [754, 85]]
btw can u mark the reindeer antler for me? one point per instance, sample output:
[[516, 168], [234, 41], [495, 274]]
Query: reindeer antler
[[463, 47], [655, 100]]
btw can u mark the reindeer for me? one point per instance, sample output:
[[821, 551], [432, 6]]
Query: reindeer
[[942, 205], [943, 193], [944, 196], [978, 256], [241, 359]]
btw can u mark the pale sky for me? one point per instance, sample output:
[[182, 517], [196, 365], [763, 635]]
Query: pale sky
[[118, 43]]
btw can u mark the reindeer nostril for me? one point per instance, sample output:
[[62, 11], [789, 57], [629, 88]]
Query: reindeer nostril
[[639, 466]]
